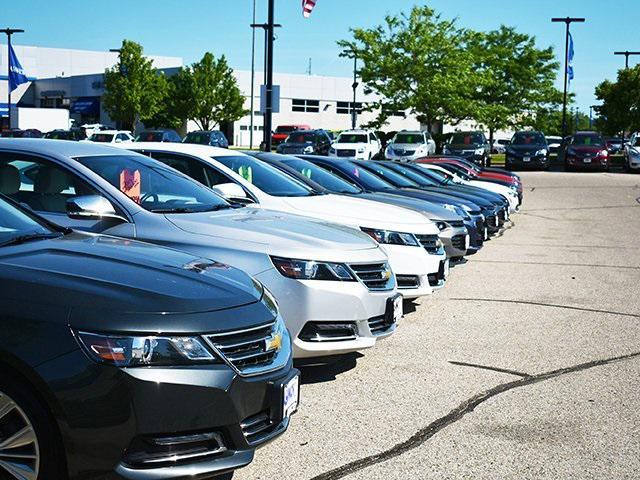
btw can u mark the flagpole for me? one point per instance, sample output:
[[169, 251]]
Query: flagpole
[[9, 32]]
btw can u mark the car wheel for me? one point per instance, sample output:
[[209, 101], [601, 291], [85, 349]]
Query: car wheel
[[29, 444], [568, 168], [487, 162]]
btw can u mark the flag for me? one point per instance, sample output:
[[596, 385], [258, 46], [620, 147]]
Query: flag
[[307, 7], [570, 59], [16, 73]]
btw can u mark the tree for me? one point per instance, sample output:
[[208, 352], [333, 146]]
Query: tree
[[133, 88], [514, 80], [417, 62], [208, 93], [620, 109]]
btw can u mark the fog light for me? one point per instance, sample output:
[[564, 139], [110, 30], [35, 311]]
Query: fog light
[[145, 452]]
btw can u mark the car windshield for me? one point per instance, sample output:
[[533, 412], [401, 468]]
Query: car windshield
[[437, 176], [200, 138], [14, 223], [409, 138], [265, 177], [418, 177], [352, 138], [328, 180], [588, 140], [285, 129], [150, 137], [59, 135], [152, 185], [390, 176], [300, 137], [101, 137], [466, 139], [527, 138], [459, 171]]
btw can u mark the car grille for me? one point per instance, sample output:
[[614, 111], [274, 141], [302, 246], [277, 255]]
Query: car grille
[[408, 153], [379, 325], [258, 428], [247, 350], [502, 216], [408, 281], [319, 332], [459, 242], [491, 221], [346, 153], [456, 223], [429, 242], [436, 279], [376, 276]]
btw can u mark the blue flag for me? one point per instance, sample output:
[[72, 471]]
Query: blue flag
[[570, 58], [16, 73]]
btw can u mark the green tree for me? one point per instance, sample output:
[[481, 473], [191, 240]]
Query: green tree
[[620, 108], [133, 88], [167, 116], [417, 62], [514, 80]]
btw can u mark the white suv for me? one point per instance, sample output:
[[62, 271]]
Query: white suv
[[110, 136], [360, 144], [408, 145], [632, 153]]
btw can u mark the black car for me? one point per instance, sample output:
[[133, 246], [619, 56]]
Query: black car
[[527, 150], [472, 146], [124, 360], [310, 142], [213, 138], [74, 135], [19, 133], [160, 135]]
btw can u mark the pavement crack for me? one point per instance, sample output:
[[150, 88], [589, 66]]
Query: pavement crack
[[467, 406], [559, 264], [487, 367], [542, 304]]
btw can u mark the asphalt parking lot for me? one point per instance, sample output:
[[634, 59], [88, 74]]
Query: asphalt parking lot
[[527, 365]]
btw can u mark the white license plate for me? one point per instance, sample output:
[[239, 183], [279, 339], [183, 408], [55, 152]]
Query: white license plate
[[291, 394], [587, 160], [398, 309], [486, 233], [466, 242], [526, 159], [446, 269]]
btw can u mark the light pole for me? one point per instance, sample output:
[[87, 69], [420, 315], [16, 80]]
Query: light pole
[[626, 54], [591, 107], [567, 21], [354, 110], [268, 108], [9, 32], [253, 72]]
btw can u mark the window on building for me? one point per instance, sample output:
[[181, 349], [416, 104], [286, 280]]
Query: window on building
[[393, 112], [302, 105], [244, 127], [347, 108]]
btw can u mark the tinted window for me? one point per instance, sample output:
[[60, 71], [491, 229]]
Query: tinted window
[[200, 138], [189, 166], [409, 138], [390, 176], [265, 177], [467, 138], [101, 137], [300, 137], [419, 178], [149, 137], [352, 138], [285, 129], [527, 138], [319, 175], [15, 223], [587, 140]]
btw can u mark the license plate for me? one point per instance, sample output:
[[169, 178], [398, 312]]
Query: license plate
[[290, 396], [395, 310], [466, 242], [486, 233], [526, 159], [446, 268], [587, 160]]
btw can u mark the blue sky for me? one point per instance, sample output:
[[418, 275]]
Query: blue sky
[[188, 28]]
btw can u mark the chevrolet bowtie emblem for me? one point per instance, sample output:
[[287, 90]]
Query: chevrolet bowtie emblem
[[274, 343]]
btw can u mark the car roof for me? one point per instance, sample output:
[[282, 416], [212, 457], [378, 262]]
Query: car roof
[[113, 132], [43, 146], [186, 148]]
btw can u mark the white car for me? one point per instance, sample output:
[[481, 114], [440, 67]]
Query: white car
[[511, 194], [360, 144], [411, 242], [500, 145], [111, 137], [407, 145], [632, 153]]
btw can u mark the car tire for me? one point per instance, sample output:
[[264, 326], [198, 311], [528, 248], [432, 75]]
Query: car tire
[[32, 411], [568, 168], [487, 162]]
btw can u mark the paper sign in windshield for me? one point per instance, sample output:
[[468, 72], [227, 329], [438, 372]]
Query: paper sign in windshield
[[130, 184]]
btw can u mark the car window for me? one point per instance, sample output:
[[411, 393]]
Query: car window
[[390, 176], [352, 138], [200, 138], [101, 137], [14, 222], [588, 140], [527, 138], [187, 165], [417, 177], [467, 138], [285, 129], [409, 138], [301, 137], [636, 142], [319, 175], [372, 138]]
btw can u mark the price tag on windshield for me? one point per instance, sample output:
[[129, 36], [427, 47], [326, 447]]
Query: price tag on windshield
[[130, 184]]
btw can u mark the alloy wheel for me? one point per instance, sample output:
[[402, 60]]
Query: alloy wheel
[[19, 449]]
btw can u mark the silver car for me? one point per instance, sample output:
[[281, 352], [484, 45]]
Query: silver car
[[410, 145]]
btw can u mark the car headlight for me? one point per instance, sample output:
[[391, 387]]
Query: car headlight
[[332, 150], [446, 150], [571, 151], [603, 153], [391, 238], [542, 151], [451, 208], [634, 151], [312, 270], [308, 149], [361, 150], [145, 350], [441, 225], [479, 151]]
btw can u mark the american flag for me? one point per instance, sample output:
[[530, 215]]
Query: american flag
[[307, 7]]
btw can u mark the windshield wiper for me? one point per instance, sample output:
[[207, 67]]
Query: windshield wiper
[[212, 208], [29, 237]]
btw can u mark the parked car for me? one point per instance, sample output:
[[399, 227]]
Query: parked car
[[315, 142], [214, 138], [586, 150], [527, 149], [282, 132], [554, 144], [159, 135], [500, 145], [358, 144], [632, 153], [472, 146], [311, 267], [75, 135], [19, 133], [100, 337], [615, 145], [110, 136], [409, 145], [241, 178]]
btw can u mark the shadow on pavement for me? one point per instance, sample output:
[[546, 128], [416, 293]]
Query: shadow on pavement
[[326, 369]]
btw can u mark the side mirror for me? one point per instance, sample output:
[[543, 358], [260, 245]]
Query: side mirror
[[118, 140], [92, 207], [230, 191]]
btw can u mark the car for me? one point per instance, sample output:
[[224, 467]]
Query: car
[[586, 151], [19, 133], [101, 338], [527, 149], [214, 138], [554, 144], [615, 145], [499, 145], [632, 153], [358, 144], [472, 146], [450, 220], [159, 135], [110, 136], [409, 145], [334, 285], [315, 142], [282, 132], [409, 240], [75, 134]]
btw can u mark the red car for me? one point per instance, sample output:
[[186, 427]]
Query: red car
[[586, 150], [283, 131]]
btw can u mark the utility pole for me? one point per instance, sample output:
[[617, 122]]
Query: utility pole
[[354, 110], [253, 74], [9, 32], [591, 107], [626, 54], [309, 69], [567, 21], [268, 108]]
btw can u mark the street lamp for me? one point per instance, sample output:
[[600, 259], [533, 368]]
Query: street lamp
[[626, 54], [9, 32], [591, 107], [567, 21], [354, 110]]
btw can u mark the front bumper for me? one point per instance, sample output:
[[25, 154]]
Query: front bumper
[[412, 266], [349, 154], [587, 163], [109, 417], [476, 228], [526, 161], [456, 241]]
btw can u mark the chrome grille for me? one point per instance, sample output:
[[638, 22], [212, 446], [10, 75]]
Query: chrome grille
[[376, 276], [408, 281], [456, 223], [492, 221], [429, 242], [459, 242], [346, 153], [379, 325], [258, 428]]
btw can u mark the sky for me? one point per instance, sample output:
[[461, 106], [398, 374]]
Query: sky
[[188, 28]]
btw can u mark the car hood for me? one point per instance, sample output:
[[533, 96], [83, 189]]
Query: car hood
[[526, 148], [586, 148], [430, 209], [358, 212], [349, 146], [407, 146], [106, 276], [464, 146]]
